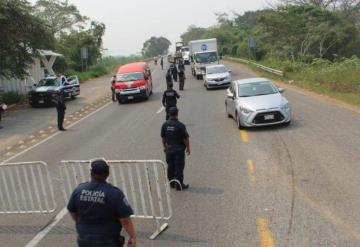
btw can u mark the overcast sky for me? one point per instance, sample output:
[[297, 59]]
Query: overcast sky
[[130, 23]]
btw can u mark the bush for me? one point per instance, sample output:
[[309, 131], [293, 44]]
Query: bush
[[12, 98], [105, 66]]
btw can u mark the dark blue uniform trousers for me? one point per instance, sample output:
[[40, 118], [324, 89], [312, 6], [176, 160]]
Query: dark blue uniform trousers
[[60, 118], [99, 241], [176, 165]]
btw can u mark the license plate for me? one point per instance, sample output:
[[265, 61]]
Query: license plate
[[41, 102], [130, 97], [269, 117]]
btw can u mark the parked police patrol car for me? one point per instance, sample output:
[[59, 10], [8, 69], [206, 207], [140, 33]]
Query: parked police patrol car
[[47, 88]]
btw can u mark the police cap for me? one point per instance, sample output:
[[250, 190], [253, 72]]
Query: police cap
[[99, 166], [173, 111]]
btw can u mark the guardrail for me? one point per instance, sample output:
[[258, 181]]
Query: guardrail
[[268, 69], [144, 183], [25, 188]]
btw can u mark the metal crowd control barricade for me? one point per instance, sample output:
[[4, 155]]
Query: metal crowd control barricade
[[26, 187], [144, 183]]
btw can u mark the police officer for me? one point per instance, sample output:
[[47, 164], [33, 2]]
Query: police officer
[[100, 210], [3, 108], [60, 108], [113, 81], [175, 139], [174, 71], [162, 63], [168, 78], [181, 65], [169, 99], [181, 79]]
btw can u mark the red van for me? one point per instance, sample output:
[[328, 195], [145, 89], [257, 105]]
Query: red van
[[133, 81]]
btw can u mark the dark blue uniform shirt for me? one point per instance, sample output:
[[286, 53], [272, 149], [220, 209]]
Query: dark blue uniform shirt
[[99, 206], [174, 133], [170, 97]]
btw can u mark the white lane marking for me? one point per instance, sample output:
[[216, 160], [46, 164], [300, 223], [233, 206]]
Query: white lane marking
[[53, 135], [36, 240], [160, 110]]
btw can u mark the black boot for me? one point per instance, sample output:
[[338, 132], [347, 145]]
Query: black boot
[[182, 187]]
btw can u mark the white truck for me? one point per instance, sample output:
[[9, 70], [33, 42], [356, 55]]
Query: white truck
[[203, 52], [185, 54]]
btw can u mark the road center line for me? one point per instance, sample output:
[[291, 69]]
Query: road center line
[[265, 235], [244, 136], [251, 171], [47, 229]]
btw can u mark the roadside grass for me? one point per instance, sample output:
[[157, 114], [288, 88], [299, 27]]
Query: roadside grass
[[11, 98], [107, 65], [339, 80]]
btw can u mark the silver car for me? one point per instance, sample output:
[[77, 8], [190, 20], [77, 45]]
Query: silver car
[[216, 76], [257, 102]]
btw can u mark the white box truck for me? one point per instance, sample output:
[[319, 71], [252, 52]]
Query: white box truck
[[203, 52]]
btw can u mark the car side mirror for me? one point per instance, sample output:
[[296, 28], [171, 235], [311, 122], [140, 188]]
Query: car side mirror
[[230, 95], [281, 90], [34, 84]]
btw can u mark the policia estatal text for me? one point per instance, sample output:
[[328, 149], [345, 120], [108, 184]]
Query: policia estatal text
[[100, 210]]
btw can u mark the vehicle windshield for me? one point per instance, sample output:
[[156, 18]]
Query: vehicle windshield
[[256, 89], [49, 82], [185, 49], [216, 70], [129, 77], [208, 57]]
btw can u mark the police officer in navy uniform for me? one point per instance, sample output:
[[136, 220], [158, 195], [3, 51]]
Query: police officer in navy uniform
[[175, 139], [60, 108], [174, 71], [162, 63], [168, 77], [112, 87], [100, 210], [169, 99], [181, 79]]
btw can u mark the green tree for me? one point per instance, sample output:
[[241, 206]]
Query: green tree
[[70, 45], [21, 34], [59, 15], [155, 46]]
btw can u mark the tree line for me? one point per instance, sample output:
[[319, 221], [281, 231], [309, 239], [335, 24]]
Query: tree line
[[49, 24], [293, 30]]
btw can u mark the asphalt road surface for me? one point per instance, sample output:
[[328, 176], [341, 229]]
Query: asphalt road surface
[[285, 186]]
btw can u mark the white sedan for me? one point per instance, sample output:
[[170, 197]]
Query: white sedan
[[257, 102], [216, 76]]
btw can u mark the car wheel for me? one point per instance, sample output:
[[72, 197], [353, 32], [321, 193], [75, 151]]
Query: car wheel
[[73, 95], [238, 122], [121, 101], [147, 95], [227, 111]]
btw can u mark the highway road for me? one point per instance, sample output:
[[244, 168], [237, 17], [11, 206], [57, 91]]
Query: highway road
[[282, 186]]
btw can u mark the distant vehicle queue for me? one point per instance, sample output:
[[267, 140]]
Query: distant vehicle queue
[[250, 102]]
